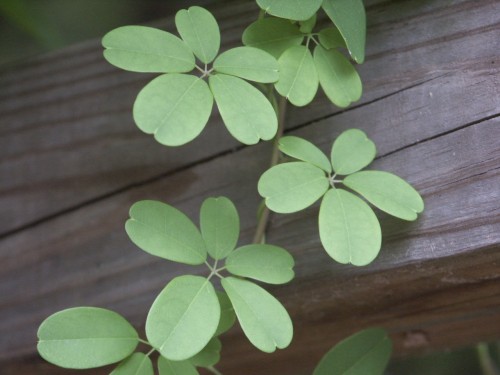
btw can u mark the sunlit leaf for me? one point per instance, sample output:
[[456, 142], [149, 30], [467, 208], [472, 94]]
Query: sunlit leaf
[[291, 187], [388, 192], [199, 29], [262, 317], [183, 318], [268, 263], [352, 151], [148, 50], [246, 112], [301, 149], [338, 78], [331, 38], [136, 364], [298, 10], [348, 228], [308, 25], [85, 337], [168, 367], [227, 314], [209, 355], [173, 107], [366, 352], [164, 231], [248, 62]]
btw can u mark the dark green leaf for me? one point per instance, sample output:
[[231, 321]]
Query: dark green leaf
[[298, 10], [136, 364], [167, 367], [301, 149], [352, 151], [227, 315], [331, 38], [308, 25], [209, 356]]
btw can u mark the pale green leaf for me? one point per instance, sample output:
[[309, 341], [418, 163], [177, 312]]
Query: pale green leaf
[[249, 63], [301, 149], [136, 364], [298, 10], [350, 18], [348, 228], [173, 107], [298, 80], [199, 29], [308, 25], [331, 38], [388, 192], [164, 231], [262, 317], [268, 263], [338, 78], [352, 151], [183, 318], [86, 337], [227, 315], [220, 226], [168, 367], [273, 35], [366, 352], [148, 50], [209, 355], [246, 112], [291, 187]]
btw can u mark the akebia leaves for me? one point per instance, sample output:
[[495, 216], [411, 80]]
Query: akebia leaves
[[227, 315], [136, 364], [352, 151], [168, 367], [299, 10], [301, 149], [209, 355]]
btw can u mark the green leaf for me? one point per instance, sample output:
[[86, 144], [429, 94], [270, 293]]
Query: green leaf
[[85, 337], [298, 10], [331, 38], [167, 367], [308, 25], [220, 226], [249, 63], [199, 29], [348, 228], [273, 35], [298, 76], [352, 151], [338, 78], [301, 149], [227, 315], [388, 192], [173, 107], [209, 356], [147, 50], [291, 187], [271, 264], [350, 18], [366, 352], [183, 318], [164, 231], [246, 112], [136, 364], [262, 317]]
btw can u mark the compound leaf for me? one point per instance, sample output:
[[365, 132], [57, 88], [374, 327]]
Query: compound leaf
[[268, 263], [164, 231], [388, 192], [199, 29], [147, 50], [209, 355], [298, 10], [331, 38], [338, 78], [136, 364], [348, 228], [173, 107], [227, 315], [291, 187], [262, 317], [246, 112], [86, 337], [167, 367], [352, 151], [249, 63], [301, 149], [366, 352], [183, 318]]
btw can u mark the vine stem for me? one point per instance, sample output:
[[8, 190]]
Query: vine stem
[[213, 370], [487, 365]]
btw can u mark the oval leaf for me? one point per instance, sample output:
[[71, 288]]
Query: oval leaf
[[147, 50], [291, 187], [298, 10], [388, 192], [167, 367], [246, 112], [262, 317], [220, 226], [301, 149], [307, 26], [227, 315], [249, 63], [199, 29], [173, 107], [331, 38], [338, 78], [298, 76], [209, 356], [366, 352], [86, 337], [183, 318], [136, 364], [348, 228], [164, 231], [352, 151], [273, 35]]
